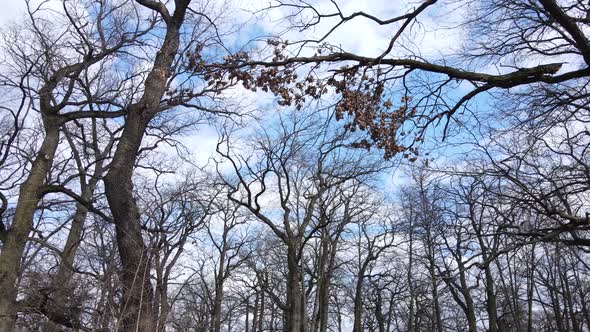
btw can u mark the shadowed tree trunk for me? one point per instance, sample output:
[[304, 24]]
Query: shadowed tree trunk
[[137, 313], [31, 193], [16, 238], [295, 321], [58, 78]]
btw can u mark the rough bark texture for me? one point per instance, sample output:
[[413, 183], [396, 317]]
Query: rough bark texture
[[295, 321], [16, 238], [469, 305], [326, 267], [137, 312], [358, 297], [219, 279]]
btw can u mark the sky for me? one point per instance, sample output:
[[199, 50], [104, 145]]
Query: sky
[[11, 10], [360, 36]]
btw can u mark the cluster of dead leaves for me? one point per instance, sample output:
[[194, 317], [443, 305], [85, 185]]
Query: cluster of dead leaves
[[362, 99]]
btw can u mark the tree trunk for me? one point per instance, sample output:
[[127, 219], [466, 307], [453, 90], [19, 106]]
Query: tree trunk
[[219, 279], [295, 321], [489, 279], [491, 301], [435, 304], [162, 308], [358, 297], [324, 297], [567, 294], [409, 278], [255, 312], [530, 289], [247, 329], [30, 194], [136, 310], [470, 307], [261, 316], [60, 285]]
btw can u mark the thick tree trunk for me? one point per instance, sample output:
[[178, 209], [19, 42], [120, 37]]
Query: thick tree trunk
[[491, 301], [435, 303], [324, 297], [136, 311], [16, 239], [255, 312], [358, 298], [261, 316], [358, 305], [294, 321], [162, 307], [304, 317], [470, 307], [219, 280], [324, 272]]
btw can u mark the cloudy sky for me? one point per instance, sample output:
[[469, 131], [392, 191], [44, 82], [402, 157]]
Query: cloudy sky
[[362, 36]]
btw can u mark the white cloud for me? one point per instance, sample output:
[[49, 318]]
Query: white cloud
[[11, 11]]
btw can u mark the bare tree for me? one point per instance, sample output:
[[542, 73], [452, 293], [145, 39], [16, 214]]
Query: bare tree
[[43, 60], [300, 167]]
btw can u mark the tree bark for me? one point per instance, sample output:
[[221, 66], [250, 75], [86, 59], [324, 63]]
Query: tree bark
[[136, 310], [324, 286], [255, 311], [261, 316], [219, 281], [30, 194], [469, 306], [358, 296], [491, 301], [295, 321], [435, 303]]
